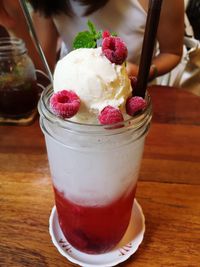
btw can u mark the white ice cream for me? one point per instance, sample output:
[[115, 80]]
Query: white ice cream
[[96, 80]]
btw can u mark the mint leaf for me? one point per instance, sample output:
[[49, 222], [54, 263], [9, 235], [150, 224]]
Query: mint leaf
[[113, 34], [87, 39], [91, 27], [98, 35], [84, 40]]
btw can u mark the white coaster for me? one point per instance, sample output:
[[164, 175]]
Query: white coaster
[[126, 247]]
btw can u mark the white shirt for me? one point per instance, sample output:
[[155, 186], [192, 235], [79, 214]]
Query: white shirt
[[125, 17]]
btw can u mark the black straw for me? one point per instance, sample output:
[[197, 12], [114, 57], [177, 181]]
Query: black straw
[[153, 17]]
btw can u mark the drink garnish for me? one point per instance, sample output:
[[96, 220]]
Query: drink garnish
[[65, 103], [112, 46], [105, 34], [133, 80], [109, 103], [114, 49], [135, 104], [110, 115], [87, 39]]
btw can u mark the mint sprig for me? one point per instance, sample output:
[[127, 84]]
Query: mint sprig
[[91, 27], [87, 39]]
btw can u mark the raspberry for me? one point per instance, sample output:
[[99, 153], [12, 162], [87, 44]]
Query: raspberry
[[110, 115], [133, 80], [135, 104], [65, 103], [105, 34], [114, 49]]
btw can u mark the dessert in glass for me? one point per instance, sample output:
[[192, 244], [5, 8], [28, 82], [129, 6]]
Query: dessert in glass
[[95, 132]]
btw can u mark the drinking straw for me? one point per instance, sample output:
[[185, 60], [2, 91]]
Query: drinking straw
[[153, 16], [35, 38]]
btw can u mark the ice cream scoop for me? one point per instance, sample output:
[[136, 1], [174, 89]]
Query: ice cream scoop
[[95, 79]]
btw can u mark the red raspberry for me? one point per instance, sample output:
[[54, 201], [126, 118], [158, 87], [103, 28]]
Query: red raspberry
[[133, 80], [135, 104], [65, 103], [110, 115], [105, 34], [114, 49]]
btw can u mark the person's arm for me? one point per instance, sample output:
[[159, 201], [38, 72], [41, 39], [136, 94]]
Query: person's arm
[[48, 37], [12, 17], [5, 19], [170, 38]]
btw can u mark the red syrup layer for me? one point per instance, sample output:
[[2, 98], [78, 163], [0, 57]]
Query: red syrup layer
[[95, 229]]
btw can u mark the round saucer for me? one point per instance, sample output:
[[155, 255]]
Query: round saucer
[[126, 247]]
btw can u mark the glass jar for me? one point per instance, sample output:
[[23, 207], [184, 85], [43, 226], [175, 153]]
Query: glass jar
[[18, 86], [94, 171]]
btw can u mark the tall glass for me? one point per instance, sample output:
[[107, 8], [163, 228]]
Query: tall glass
[[94, 172]]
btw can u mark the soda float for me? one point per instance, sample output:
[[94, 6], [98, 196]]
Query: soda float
[[95, 132]]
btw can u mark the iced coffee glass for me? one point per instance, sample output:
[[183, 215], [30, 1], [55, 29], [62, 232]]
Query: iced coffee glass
[[18, 85], [94, 171]]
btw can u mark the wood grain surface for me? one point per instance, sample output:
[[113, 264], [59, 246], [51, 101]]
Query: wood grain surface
[[168, 190]]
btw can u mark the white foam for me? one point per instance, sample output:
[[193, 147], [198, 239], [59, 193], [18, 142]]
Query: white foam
[[95, 177]]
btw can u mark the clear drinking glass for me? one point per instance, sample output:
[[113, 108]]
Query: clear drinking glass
[[94, 173], [18, 86]]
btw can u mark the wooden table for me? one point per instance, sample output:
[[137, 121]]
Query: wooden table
[[168, 190]]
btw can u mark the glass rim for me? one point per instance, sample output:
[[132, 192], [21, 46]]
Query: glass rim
[[134, 122]]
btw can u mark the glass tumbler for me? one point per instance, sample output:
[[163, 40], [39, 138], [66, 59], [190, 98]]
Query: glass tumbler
[[18, 87], [94, 172]]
